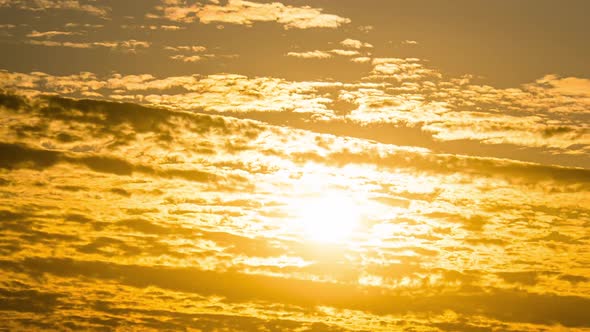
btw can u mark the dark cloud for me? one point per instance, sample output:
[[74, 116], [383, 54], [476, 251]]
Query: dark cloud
[[20, 156], [507, 305], [528, 278], [209, 322], [513, 172], [557, 237], [574, 279], [471, 223], [28, 300]]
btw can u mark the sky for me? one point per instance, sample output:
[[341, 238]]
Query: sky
[[298, 165]]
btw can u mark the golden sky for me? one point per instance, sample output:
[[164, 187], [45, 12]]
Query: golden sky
[[294, 166]]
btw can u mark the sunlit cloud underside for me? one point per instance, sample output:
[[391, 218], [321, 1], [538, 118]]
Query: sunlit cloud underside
[[193, 219]]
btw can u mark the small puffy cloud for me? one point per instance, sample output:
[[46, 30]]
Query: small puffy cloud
[[409, 42], [362, 59], [353, 43], [248, 12], [345, 52], [310, 55], [400, 69], [186, 53], [185, 58], [318, 54], [191, 48], [567, 85]]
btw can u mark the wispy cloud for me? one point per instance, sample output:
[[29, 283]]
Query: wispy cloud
[[50, 34], [131, 45]]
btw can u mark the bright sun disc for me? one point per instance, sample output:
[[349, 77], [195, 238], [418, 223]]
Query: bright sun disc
[[331, 218]]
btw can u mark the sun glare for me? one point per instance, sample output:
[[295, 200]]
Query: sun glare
[[328, 218]]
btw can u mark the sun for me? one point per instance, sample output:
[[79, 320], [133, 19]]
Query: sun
[[330, 218]]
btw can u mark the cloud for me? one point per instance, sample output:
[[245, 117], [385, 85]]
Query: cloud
[[186, 53], [182, 201], [345, 52], [400, 92], [50, 34], [353, 43], [362, 59], [401, 69], [26, 157], [28, 300], [248, 12], [88, 7], [130, 204], [131, 45], [317, 54], [186, 58], [310, 55], [568, 85], [498, 129], [512, 306], [193, 48]]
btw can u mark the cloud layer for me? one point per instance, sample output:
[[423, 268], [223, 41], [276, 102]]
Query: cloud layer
[[126, 201], [234, 165]]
